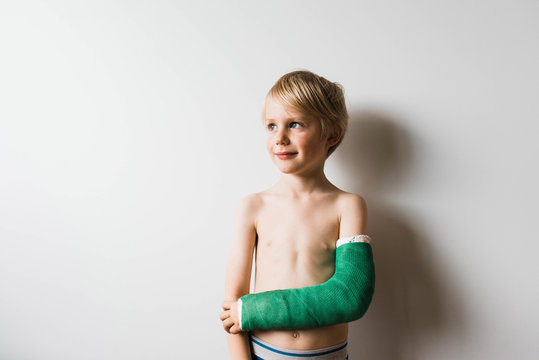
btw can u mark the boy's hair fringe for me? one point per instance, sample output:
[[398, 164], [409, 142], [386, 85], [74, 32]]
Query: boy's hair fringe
[[309, 93]]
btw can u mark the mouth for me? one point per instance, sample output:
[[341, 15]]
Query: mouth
[[285, 155]]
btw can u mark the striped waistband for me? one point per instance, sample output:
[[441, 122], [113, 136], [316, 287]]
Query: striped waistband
[[266, 351]]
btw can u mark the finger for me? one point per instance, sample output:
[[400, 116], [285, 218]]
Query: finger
[[224, 315], [235, 329], [227, 324], [226, 305]]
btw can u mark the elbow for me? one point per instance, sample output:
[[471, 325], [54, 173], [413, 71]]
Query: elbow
[[353, 297]]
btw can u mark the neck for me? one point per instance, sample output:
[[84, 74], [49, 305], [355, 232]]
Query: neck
[[301, 185]]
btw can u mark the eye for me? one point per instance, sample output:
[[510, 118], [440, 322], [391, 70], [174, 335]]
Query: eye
[[292, 124], [271, 127]]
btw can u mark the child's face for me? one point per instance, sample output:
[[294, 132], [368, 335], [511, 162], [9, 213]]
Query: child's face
[[293, 139]]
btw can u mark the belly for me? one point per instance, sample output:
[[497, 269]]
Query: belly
[[289, 268], [305, 339]]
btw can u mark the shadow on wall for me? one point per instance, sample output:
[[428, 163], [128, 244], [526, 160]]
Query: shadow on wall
[[408, 311]]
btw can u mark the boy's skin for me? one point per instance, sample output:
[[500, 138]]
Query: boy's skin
[[297, 222]]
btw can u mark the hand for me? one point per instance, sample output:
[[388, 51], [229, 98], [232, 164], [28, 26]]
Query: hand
[[230, 317]]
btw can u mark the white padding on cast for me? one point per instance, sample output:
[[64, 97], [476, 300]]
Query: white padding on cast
[[352, 239]]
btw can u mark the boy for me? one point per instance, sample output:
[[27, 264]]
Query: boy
[[294, 224]]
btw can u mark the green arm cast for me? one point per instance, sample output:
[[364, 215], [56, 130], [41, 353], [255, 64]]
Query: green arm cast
[[344, 297]]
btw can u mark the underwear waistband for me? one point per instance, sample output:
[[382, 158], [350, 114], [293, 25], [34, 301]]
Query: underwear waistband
[[263, 350]]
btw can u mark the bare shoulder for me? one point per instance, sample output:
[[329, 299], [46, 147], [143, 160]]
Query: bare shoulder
[[249, 206], [351, 202], [250, 202], [353, 214]]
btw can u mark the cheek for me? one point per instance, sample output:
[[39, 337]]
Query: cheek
[[269, 144], [309, 145]]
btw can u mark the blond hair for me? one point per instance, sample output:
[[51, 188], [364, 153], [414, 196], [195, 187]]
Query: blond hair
[[309, 93]]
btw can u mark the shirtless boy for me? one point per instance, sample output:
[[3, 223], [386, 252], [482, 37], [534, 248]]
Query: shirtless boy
[[295, 223]]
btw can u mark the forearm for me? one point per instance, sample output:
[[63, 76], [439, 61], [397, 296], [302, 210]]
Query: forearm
[[238, 346], [343, 298]]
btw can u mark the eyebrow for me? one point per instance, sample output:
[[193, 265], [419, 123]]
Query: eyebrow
[[288, 119]]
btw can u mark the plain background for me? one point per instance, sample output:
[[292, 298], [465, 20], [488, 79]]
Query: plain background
[[129, 130]]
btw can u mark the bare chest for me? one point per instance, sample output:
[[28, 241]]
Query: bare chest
[[296, 226]]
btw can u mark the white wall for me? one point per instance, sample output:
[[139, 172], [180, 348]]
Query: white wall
[[130, 129]]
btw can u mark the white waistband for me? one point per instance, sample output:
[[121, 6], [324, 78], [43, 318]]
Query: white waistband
[[355, 238], [264, 350]]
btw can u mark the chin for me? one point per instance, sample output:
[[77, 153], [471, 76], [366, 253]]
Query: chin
[[288, 170], [285, 169]]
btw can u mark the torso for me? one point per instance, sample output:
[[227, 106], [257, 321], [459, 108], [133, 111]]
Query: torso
[[296, 248]]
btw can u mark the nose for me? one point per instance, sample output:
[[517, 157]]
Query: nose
[[281, 137]]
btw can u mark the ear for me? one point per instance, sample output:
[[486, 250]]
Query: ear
[[334, 137]]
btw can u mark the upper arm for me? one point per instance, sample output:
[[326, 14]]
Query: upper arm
[[240, 260], [353, 217]]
